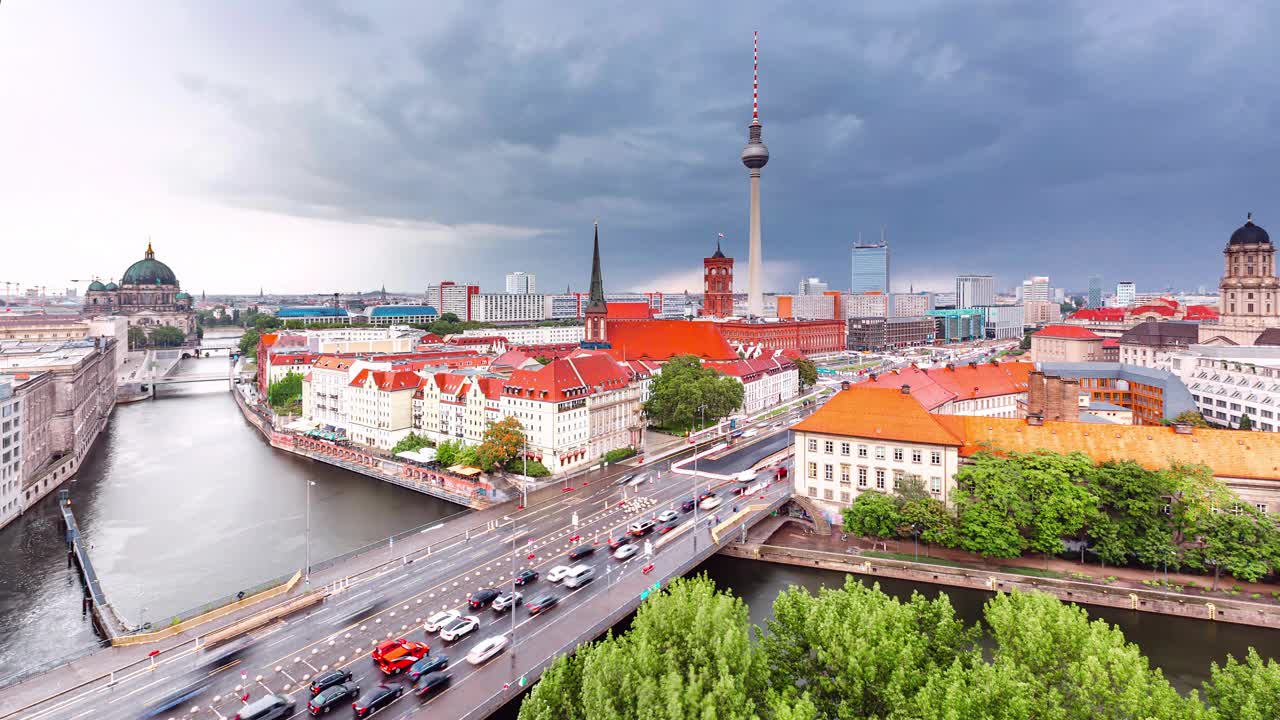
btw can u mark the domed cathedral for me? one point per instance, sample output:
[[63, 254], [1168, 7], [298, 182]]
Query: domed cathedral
[[148, 295], [1249, 294]]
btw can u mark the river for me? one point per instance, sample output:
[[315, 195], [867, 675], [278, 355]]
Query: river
[[184, 502]]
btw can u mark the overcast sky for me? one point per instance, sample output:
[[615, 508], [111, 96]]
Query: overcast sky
[[313, 145]]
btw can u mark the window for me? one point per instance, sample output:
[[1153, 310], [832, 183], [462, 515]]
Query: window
[[813, 491], [844, 497], [935, 484], [828, 472], [862, 451], [862, 477], [1262, 507], [813, 469], [844, 475], [935, 457], [813, 445], [844, 449], [827, 495], [897, 454], [879, 452], [916, 456], [828, 447], [879, 479]]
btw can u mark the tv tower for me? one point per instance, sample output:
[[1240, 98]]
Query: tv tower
[[755, 156]]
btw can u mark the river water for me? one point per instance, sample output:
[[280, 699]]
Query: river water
[[184, 502]]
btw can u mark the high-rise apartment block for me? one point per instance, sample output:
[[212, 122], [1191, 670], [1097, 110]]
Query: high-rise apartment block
[[975, 291], [1036, 288], [451, 297], [870, 263], [909, 304], [522, 283], [1095, 291], [812, 286], [1126, 293]]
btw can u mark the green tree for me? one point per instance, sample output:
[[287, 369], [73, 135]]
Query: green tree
[[1242, 540], [527, 467], [936, 523], [249, 343], [468, 456], [448, 318], [1025, 343], [1189, 417], [137, 337], [1244, 691], [411, 443], [808, 371], [285, 394], [684, 386], [543, 359], [262, 322], [1245, 423], [166, 336], [447, 452], [502, 441], [873, 514]]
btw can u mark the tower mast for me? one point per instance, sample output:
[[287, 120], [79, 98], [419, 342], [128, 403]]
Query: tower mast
[[754, 156]]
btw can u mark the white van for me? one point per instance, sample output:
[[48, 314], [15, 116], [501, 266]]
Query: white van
[[579, 575]]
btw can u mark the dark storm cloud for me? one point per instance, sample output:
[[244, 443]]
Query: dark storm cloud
[[1018, 138]]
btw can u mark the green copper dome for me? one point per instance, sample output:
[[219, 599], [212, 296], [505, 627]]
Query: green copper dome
[[182, 296], [111, 286], [95, 285], [149, 271]]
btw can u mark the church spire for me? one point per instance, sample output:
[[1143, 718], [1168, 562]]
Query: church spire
[[596, 301], [150, 254]]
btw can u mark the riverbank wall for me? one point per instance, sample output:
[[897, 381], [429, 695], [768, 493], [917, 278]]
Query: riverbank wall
[[1224, 609], [105, 619], [457, 490]]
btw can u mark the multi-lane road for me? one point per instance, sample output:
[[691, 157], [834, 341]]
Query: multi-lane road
[[287, 653]]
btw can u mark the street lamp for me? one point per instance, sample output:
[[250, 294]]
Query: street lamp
[[308, 572], [702, 409], [524, 484], [915, 536]]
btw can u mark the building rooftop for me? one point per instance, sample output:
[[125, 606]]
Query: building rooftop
[[1177, 399], [935, 387], [1158, 332], [381, 311], [879, 413], [664, 339], [25, 355], [310, 311], [568, 378], [1067, 332]]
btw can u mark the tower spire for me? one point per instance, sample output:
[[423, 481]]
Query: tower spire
[[595, 301], [755, 76], [755, 156]]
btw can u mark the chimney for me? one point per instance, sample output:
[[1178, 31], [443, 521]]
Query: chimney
[[1182, 428], [1070, 410], [1035, 392], [1035, 419], [906, 389]]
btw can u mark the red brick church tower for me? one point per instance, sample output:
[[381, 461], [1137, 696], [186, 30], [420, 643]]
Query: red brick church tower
[[717, 289], [597, 312]]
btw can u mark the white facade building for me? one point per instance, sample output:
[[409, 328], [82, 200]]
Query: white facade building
[[379, 406], [1003, 322], [1035, 288], [813, 307], [521, 283], [324, 391], [909, 304], [10, 453], [975, 291], [1227, 382], [866, 305], [533, 335], [1126, 294], [765, 381], [812, 286], [502, 308]]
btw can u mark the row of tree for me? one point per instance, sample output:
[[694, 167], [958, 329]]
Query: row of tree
[[856, 652], [1010, 505], [159, 336]]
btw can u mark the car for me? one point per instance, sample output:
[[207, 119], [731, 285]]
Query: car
[[640, 528], [667, 516], [625, 479], [546, 602], [428, 664], [581, 551], [707, 494], [431, 683], [667, 527], [711, 503], [637, 481], [358, 614], [393, 656], [506, 601], [328, 699], [182, 696], [459, 628], [486, 649], [525, 577], [224, 654], [482, 598], [687, 506], [619, 541], [557, 573], [380, 697], [267, 707], [440, 619], [625, 552], [329, 679]]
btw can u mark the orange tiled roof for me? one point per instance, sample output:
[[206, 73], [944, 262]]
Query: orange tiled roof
[[388, 380], [1070, 332], [567, 378], [1098, 314], [629, 311], [331, 362], [662, 339], [1201, 312], [937, 386], [1230, 453], [881, 413]]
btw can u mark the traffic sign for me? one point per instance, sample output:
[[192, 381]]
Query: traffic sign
[[644, 594], [523, 680]]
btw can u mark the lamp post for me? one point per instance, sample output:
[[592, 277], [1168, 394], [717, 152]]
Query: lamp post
[[915, 535], [702, 409], [524, 487], [307, 575]]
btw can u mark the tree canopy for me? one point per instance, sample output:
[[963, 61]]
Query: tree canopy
[[684, 386], [808, 371], [166, 336], [502, 441], [249, 343], [285, 394]]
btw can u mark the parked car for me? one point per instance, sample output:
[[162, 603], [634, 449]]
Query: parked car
[[624, 552], [557, 573], [440, 619], [506, 601], [431, 683], [331, 697], [267, 707], [393, 656], [581, 551], [329, 679], [483, 597], [525, 577], [487, 649], [428, 664], [459, 628], [667, 516], [546, 602], [378, 698]]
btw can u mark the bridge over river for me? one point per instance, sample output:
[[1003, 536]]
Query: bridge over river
[[412, 579]]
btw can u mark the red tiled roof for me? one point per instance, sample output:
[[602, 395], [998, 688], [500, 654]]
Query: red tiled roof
[[511, 358], [491, 386], [1071, 332], [476, 340], [567, 378], [663, 339], [1161, 310], [388, 380], [1201, 312], [293, 359], [881, 413], [1110, 342], [331, 362], [937, 386], [750, 369], [1098, 315], [629, 311]]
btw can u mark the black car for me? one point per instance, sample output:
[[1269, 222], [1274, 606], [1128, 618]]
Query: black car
[[483, 597], [581, 551], [428, 664], [431, 683], [617, 542], [181, 696], [687, 506], [526, 577], [667, 527], [382, 696], [705, 495], [546, 602], [330, 697], [329, 679], [267, 707]]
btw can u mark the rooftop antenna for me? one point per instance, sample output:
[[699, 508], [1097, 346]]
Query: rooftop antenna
[[755, 76]]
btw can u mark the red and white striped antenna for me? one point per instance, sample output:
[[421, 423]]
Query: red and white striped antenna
[[755, 75]]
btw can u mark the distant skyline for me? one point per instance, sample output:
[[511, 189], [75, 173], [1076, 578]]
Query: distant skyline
[[320, 145]]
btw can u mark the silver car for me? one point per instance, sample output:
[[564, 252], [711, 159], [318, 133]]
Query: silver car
[[624, 552], [506, 601]]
